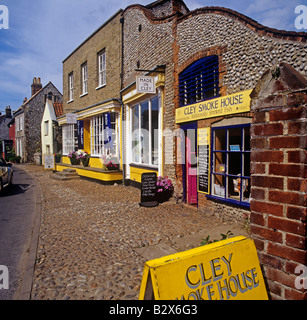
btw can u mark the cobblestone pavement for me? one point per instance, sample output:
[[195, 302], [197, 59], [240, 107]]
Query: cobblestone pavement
[[91, 235]]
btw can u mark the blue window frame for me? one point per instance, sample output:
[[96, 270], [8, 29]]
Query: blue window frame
[[199, 81], [230, 164]]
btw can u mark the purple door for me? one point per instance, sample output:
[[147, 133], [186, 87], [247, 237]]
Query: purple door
[[191, 172]]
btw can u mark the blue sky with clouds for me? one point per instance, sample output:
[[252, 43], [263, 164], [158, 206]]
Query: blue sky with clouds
[[42, 33]]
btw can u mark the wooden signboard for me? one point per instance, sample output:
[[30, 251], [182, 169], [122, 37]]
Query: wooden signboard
[[149, 190], [203, 160], [224, 270]]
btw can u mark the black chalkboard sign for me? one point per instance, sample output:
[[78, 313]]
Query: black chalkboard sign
[[204, 160], [203, 169], [149, 190]]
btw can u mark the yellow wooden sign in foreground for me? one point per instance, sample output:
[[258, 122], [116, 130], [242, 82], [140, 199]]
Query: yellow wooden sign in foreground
[[232, 104], [225, 270]]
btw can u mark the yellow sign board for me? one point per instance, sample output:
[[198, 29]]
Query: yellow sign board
[[224, 270], [234, 103]]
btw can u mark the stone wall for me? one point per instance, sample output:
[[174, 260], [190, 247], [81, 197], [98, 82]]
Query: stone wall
[[278, 186], [33, 111]]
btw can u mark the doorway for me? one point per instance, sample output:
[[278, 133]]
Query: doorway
[[189, 166]]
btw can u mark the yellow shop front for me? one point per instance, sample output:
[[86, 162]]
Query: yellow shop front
[[94, 132]]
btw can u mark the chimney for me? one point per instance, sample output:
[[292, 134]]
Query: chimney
[[8, 112], [25, 100], [36, 85]]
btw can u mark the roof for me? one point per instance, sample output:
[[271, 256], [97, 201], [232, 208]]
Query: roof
[[58, 109]]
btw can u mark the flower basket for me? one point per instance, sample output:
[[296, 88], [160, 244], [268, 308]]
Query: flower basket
[[165, 189], [110, 163], [85, 161]]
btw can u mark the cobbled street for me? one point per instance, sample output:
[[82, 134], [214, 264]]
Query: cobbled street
[[92, 237]]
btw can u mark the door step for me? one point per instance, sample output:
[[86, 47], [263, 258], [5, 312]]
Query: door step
[[66, 174]]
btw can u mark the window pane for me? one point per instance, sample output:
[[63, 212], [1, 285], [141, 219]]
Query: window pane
[[246, 161], [220, 139], [145, 132], [155, 130], [234, 163], [135, 134], [235, 143], [218, 187], [219, 162], [246, 138]]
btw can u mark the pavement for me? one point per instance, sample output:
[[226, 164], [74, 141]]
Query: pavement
[[94, 240]]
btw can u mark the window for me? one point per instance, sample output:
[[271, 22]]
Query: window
[[101, 69], [70, 138], [200, 81], [231, 163], [145, 133], [84, 78], [46, 128], [71, 86], [104, 139]]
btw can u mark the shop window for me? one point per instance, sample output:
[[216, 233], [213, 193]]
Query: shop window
[[104, 139], [231, 164], [145, 133], [200, 81], [70, 138]]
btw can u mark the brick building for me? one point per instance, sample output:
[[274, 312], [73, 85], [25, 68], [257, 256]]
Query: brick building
[[92, 83], [29, 116], [205, 124]]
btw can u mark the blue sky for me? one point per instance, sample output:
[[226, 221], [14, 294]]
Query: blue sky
[[43, 32]]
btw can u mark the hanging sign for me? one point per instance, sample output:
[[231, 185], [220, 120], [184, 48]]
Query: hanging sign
[[232, 104], [145, 84], [80, 129], [108, 142], [71, 118], [203, 140], [224, 270]]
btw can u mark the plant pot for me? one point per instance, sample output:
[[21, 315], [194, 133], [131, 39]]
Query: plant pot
[[164, 196], [85, 162], [38, 158], [74, 161]]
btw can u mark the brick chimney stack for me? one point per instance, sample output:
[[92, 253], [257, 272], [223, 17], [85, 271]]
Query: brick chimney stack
[[8, 112], [36, 86]]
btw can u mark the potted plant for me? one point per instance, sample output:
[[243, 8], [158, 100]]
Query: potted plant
[[84, 157], [38, 155], [110, 162], [165, 189], [58, 157], [74, 158]]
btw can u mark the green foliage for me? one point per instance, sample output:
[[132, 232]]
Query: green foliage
[[224, 237]]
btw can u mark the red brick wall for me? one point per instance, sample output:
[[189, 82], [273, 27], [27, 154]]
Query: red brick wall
[[278, 183]]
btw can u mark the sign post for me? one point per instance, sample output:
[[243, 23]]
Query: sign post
[[149, 190], [224, 270]]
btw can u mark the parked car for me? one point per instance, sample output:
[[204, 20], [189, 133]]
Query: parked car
[[6, 174]]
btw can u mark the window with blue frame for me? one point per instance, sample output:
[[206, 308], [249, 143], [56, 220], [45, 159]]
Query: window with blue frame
[[230, 166], [199, 81]]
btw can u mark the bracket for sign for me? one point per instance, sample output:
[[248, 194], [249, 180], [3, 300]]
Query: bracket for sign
[[143, 70]]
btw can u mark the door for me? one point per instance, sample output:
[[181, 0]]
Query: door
[[191, 167]]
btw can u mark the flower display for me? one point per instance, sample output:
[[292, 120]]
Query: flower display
[[164, 184], [110, 162]]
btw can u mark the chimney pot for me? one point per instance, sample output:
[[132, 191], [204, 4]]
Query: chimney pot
[[36, 86]]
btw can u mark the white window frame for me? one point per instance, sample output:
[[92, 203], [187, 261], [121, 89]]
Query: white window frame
[[140, 162], [97, 136], [69, 138], [84, 78], [71, 87], [102, 75], [46, 128]]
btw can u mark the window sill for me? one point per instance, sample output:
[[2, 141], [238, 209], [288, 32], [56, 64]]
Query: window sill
[[102, 86], [84, 94], [70, 101], [229, 201], [144, 166]]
